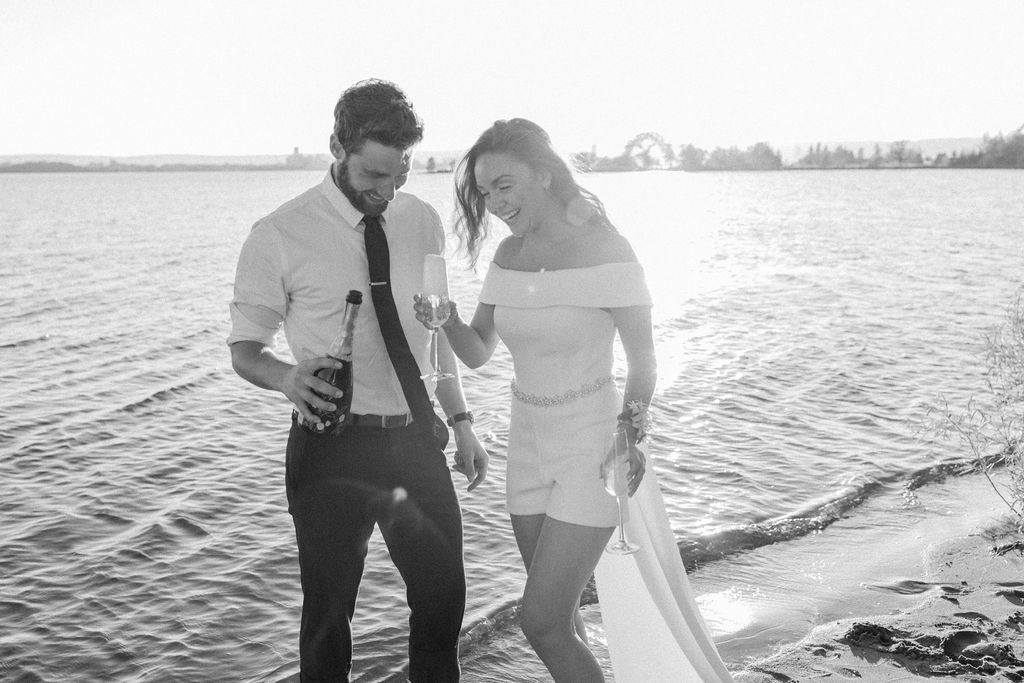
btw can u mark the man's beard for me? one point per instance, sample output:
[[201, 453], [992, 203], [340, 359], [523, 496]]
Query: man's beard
[[356, 197]]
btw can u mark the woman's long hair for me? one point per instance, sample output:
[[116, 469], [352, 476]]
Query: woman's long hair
[[528, 143]]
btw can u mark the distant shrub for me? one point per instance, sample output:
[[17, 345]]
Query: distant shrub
[[992, 426]]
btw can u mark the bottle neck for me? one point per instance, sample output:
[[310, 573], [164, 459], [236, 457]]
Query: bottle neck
[[341, 346]]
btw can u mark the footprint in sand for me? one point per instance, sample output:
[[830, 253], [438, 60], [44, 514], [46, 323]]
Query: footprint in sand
[[826, 651], [972, 616], [913, 587], [955, 643], [1014, 595], [1016, 546], [972, 648]]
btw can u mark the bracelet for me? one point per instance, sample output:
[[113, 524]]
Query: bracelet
[[635, 416]]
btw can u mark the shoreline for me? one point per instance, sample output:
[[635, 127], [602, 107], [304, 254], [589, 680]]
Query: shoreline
[[969, 624], [57, 168], [928, 600]]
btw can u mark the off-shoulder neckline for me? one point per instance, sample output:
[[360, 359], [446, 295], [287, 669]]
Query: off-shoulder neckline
[[564, 270]]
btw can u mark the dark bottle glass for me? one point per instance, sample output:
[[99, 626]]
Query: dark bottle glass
[[332, 421]]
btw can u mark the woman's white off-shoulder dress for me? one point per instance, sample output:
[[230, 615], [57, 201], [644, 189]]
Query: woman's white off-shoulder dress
[[560, 334]]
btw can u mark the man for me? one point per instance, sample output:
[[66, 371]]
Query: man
[[387, 466]]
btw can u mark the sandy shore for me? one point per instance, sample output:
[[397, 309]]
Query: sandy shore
[[969, 625], [906, 590]]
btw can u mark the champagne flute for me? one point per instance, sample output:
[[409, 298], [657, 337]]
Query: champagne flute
[[434, 296], [615, 472]]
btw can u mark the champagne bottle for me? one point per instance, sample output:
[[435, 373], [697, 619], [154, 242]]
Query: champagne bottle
[[332, 421]]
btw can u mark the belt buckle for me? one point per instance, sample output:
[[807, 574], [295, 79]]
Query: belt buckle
[[394, 421]]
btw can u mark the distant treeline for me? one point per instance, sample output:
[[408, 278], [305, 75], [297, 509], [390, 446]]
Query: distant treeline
[[997, 152], [649, 151], [64, 167], [646, 152], [293, 162]]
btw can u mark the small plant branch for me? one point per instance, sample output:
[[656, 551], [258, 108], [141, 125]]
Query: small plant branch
[[995, 427]]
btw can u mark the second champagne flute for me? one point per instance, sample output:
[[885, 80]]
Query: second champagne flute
[[434, 295], [615, 472]]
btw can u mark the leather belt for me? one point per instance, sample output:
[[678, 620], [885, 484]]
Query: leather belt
[[379, 421]]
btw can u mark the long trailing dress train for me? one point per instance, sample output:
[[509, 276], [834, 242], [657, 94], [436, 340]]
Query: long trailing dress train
[[561, 336]]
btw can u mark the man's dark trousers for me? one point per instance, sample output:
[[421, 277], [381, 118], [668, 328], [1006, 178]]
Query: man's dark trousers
[[338, 488]]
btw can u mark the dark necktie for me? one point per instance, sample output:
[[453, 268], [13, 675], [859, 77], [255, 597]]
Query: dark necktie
[[406, 367]]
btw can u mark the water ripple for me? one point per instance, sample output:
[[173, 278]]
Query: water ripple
[[801, 321]]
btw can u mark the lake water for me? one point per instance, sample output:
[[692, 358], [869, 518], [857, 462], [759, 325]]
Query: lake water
[[802, 321]]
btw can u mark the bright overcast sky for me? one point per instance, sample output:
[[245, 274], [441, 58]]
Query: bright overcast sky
[[128, 77]]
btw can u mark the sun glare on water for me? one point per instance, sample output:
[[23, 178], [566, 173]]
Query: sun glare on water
[[724, 612]]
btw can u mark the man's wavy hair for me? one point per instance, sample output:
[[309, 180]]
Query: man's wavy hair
[[376, 110]]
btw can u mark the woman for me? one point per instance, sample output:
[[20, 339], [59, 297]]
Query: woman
[[558, 290]]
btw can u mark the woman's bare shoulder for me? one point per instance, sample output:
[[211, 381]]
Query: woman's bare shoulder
[[507, 250], [612, 247]]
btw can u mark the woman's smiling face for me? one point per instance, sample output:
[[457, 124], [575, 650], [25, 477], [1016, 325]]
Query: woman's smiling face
[[512, 191]]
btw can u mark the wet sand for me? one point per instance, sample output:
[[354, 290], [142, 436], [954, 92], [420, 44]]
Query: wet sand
[[969, 625]]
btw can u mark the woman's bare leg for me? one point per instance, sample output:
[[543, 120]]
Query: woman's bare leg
[[527, 531], [560, 559]]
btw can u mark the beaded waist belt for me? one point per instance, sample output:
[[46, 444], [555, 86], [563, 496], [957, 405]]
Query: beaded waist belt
[[560, 399]]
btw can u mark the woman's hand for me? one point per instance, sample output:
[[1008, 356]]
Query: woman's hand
[[637, 467], [423, 312], [617, 481]]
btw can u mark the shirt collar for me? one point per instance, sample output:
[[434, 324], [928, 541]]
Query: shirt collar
[[339, 201]]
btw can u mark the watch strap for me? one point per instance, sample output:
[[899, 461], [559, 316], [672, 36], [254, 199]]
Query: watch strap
[[460, 417]]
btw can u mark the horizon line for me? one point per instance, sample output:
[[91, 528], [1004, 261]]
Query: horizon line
[[327, 152]]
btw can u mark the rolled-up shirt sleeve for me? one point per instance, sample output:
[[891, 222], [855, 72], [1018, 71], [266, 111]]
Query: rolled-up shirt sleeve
[[260, 299]]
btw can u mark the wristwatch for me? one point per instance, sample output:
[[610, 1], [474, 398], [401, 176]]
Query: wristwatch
[[459, 417]]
